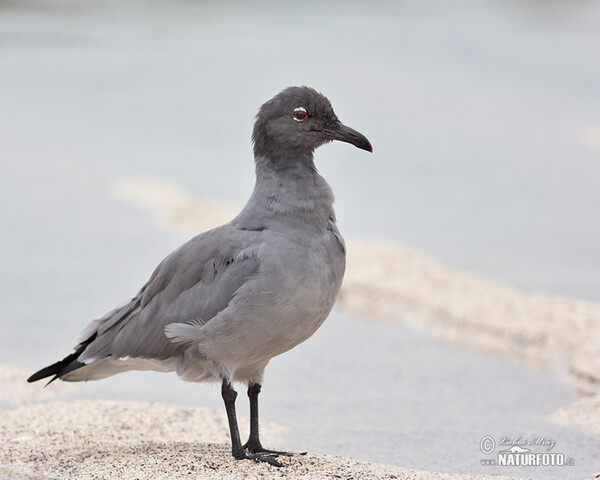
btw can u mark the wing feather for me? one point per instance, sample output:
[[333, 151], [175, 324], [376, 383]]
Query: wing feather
[[191, 286]]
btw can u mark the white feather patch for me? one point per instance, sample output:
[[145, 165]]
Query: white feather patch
[[182, 333]]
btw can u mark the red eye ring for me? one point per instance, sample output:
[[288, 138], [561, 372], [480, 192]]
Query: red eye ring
[[300, 114]]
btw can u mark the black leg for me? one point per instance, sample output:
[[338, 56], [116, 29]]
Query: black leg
[[229, 395], [253, 444]]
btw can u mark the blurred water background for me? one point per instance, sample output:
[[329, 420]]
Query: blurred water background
[[485, 122]]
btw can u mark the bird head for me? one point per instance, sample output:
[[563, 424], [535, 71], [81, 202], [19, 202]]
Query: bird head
[[298, 120]]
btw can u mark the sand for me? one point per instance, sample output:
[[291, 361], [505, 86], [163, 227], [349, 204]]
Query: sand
[[136, 440], [175, 208], [390, 282], [15, 391], [582, 414]]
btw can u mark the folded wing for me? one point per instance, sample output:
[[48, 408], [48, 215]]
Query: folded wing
[[190, 286]]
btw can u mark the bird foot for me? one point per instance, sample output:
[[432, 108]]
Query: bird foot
[[260, 454], [267, 457], [258, 448]]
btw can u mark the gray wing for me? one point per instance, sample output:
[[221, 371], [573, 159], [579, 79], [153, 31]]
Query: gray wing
[[191, 285]]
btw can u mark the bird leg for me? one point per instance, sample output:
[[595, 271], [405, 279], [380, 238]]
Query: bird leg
[[253, 444], [229, 395]]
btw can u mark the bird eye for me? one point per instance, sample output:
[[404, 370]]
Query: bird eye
[[300, 114]]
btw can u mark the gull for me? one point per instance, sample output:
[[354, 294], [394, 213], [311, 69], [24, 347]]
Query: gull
[[223, 304]]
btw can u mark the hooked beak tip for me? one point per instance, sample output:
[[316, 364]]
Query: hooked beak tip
[[348, 135]]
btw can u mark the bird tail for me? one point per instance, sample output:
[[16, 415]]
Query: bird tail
[[94, 329], [64, 366]]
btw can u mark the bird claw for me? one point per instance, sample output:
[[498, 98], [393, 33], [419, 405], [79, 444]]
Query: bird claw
[[277, 453], [253, 448], [261, 454], [266, 457]]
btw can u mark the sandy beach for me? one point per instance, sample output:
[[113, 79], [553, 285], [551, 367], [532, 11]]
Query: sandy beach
[[136, 440]]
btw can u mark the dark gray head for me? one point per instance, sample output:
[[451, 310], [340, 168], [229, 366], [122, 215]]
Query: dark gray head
[[296, 121]]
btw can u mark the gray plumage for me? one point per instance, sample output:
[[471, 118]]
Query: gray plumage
[[227, 301]]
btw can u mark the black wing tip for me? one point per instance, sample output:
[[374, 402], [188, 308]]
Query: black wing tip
[[64, 366], [55, 369], [58, 369], [35, 377]]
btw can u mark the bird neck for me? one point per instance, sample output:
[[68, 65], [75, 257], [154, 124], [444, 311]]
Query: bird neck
[[292, 192]]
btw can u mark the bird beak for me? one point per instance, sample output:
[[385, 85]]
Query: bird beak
[[349, 135]]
